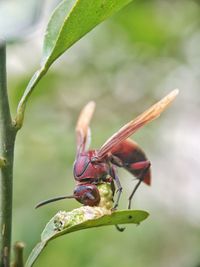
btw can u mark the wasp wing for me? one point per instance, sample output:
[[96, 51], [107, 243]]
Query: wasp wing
[[150, 114], [82, 126]]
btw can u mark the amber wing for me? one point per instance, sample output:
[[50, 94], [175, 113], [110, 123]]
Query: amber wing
[[82, 126], [127, 130]]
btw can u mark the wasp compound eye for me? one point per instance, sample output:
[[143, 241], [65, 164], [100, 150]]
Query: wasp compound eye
[[87, 194], [81, 165]]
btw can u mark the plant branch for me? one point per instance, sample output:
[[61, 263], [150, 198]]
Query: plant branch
[[18, 249], [7, 141], [2, 162]]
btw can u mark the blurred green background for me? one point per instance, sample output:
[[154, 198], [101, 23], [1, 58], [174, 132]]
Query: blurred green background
[[125, 65]]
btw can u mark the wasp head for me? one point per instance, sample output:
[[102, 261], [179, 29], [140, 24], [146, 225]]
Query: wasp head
[[87, 194]]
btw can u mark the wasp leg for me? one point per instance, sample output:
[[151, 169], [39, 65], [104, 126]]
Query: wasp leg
[[119, 187], [119, 191], [120, 229], [144, 166]]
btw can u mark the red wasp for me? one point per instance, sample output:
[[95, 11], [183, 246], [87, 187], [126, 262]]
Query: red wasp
[[92, 167]]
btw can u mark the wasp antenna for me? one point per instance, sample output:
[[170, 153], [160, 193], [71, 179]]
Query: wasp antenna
[[51, 200]]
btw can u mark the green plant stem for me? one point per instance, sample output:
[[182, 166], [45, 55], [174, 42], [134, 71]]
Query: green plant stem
[[2, 162], [7, 141]]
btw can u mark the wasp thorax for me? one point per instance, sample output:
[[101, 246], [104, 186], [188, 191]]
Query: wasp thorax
[[87, 194]]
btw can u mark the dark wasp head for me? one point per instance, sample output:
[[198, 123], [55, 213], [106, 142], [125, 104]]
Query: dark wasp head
[[87, 194]]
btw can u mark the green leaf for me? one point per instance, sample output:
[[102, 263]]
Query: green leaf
[[70, 21], [35, 253], [75, 222]]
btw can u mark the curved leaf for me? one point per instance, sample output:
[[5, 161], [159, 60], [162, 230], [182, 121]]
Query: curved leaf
[[75, 221], [70, 21], [35, 253]]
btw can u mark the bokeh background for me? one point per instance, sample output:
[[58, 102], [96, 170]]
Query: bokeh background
[[125, 65]]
